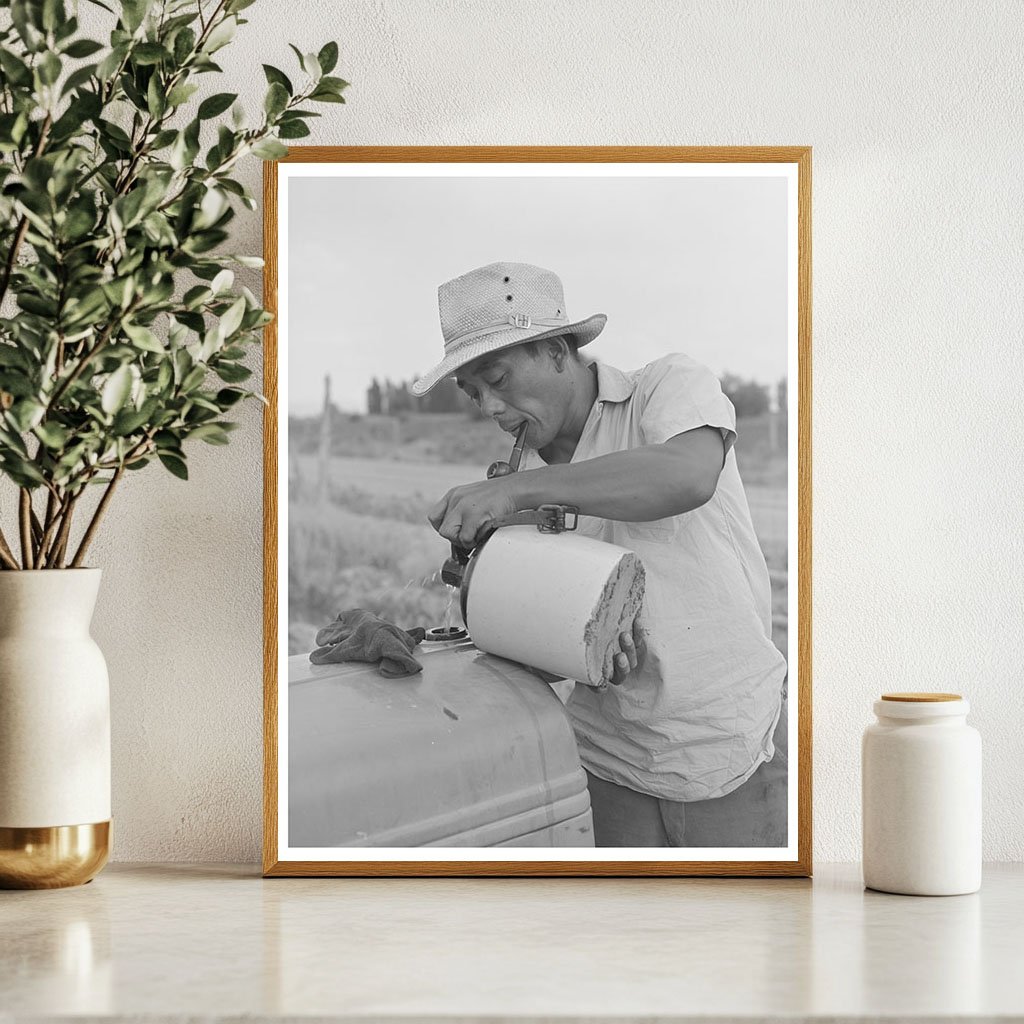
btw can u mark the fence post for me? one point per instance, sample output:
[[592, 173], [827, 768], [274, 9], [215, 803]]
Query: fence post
[[325, 444]]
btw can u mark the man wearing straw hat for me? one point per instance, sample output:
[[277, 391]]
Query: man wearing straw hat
[[681, 749]]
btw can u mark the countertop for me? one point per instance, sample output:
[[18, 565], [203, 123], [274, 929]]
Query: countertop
[[177, 941]]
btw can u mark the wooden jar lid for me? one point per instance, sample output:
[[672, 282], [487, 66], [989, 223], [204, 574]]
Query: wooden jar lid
[[920, 698]]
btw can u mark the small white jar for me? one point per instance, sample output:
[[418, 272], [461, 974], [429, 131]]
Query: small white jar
[[921, 792]]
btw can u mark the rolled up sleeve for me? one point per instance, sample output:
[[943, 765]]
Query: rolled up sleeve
[[678, 394]]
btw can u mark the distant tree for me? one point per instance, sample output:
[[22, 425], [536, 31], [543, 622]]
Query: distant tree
[[399, 398], [782, 394], [747, 396], [445, 396], [373, 398]]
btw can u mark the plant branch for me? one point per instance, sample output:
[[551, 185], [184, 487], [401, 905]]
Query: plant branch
[[37, 527], [22, 229], [97, 516], [6, 555], [87, 357], [25, 521], [54, 506], [56, 555]]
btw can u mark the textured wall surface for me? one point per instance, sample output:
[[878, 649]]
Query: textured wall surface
[[914, 113]]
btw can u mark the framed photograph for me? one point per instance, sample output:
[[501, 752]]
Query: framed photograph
[[537, 511]]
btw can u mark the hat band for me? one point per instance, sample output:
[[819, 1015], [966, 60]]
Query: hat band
[[521, 320]]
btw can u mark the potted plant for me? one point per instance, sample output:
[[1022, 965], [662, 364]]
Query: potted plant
[[122, 338]]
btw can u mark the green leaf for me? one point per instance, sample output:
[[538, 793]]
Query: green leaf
[[216, 104], [78, 78], [18, 384], [334, 84], [328, 57], [53, 435], [26, 414], [149, 53], [11, 356], [276, 100], [128, 421], [275, 76], [162, 139], [15, 69], [83, 48], [311, 66], [211, 433], [211, 343], [27, 22], [11, 440], [232, 373], [325, 96], [293, 130], [156, 99], [232, 319], [211, 208], [49, 68], [196, 296], [144, 338], [66, 30], [255, 262], [193, 379], [116, 390], [184, 44], [269, 149], [185, 147], [193, 321], [227, 397], [222, 282], [21, 471], [109, 65], [181, 93], [53, 14], [116, 134], [234, 6], [221, 35], [205, 271], [78, 222], [133, 13], [129, 207], [174, 464], [164, 376], [167, 441], [90, 308]]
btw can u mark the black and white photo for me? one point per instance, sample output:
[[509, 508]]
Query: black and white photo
[[537, 461]]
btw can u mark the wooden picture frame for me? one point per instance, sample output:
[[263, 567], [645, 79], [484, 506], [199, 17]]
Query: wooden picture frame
[[791, 162]]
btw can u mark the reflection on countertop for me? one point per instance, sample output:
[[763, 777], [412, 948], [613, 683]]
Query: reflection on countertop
[[179, 940]]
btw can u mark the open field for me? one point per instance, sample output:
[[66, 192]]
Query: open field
[[368, 544], [456, 438]]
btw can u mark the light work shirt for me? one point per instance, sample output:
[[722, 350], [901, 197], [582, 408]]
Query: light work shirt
[[696, 720]]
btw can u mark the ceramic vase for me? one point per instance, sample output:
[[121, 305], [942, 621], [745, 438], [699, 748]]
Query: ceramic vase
[[54, 731]]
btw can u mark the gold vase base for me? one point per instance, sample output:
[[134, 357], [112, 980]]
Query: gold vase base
[[52, 858]]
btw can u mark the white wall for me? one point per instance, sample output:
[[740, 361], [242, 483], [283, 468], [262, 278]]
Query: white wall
[[914, 113]]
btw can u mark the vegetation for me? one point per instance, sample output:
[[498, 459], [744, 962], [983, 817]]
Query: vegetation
[[126, 334], [362, 539]]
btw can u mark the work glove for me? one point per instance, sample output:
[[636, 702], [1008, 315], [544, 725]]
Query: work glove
[[359, 635]]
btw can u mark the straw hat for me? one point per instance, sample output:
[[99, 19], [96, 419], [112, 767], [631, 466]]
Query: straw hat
[[500, 305]]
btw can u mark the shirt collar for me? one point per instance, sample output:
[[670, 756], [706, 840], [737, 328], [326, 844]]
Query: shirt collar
[[612, 384]]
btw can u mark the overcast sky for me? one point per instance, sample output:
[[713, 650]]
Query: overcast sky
[[695, 265]]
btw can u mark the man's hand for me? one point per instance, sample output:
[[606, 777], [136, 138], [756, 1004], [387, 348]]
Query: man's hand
[[630, 655], [464, 511]]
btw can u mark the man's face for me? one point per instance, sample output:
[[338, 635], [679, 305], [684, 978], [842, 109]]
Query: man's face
[[513, 386]]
